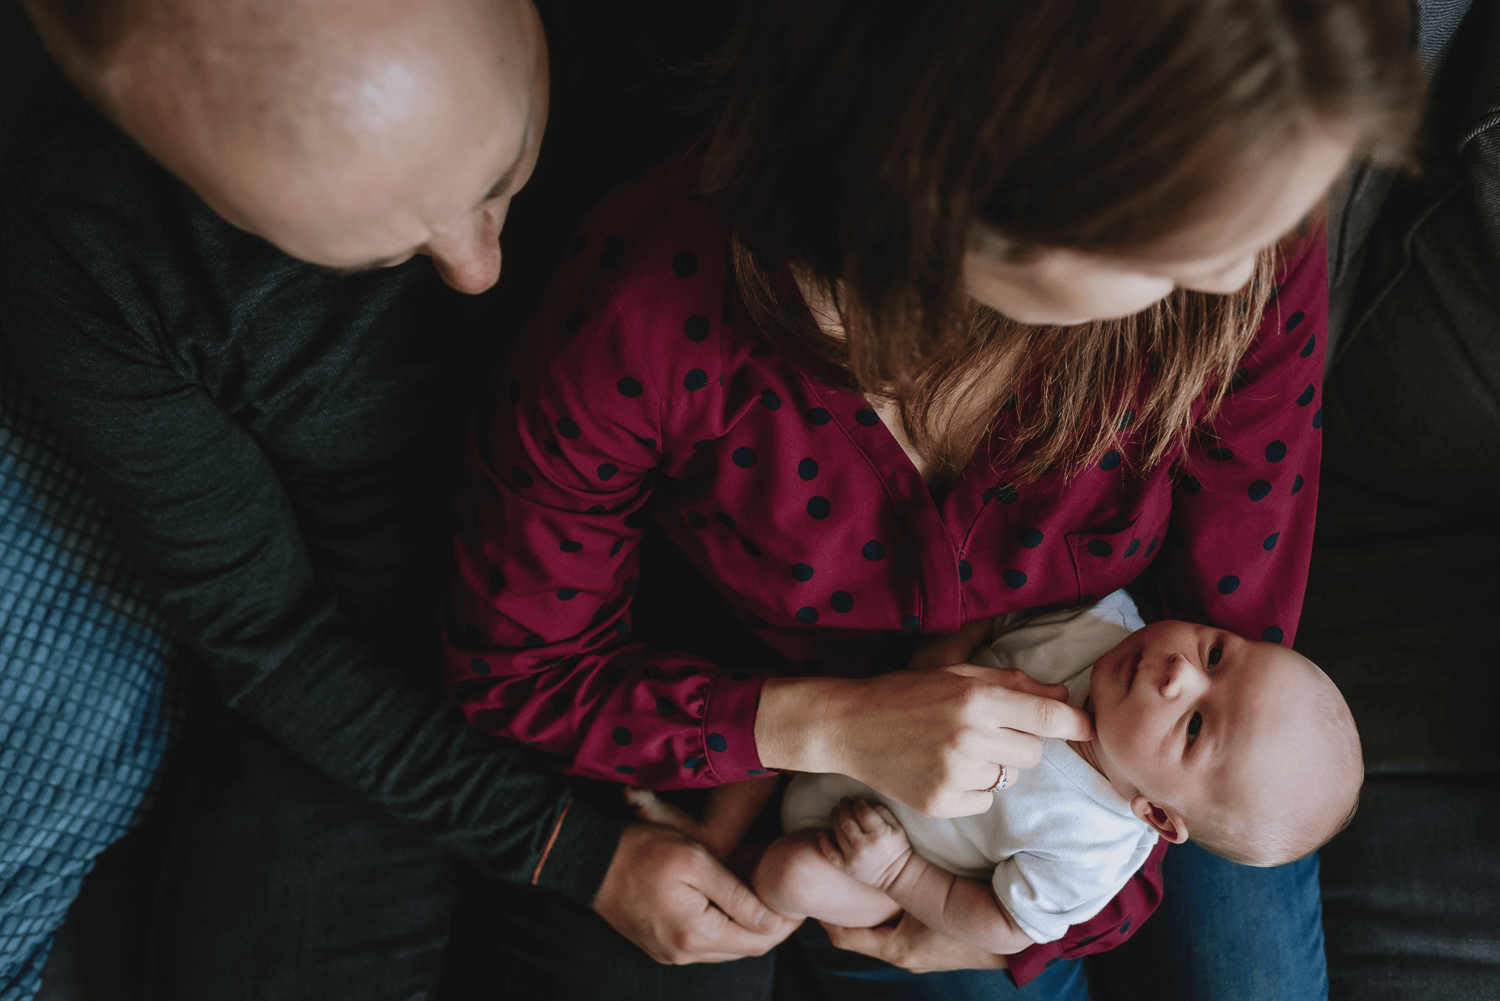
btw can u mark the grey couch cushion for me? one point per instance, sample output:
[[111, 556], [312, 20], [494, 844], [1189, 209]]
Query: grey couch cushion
[[1406, 567], [1411, 894]]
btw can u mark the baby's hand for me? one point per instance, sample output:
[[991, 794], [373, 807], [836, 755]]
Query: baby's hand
[[868, 843]]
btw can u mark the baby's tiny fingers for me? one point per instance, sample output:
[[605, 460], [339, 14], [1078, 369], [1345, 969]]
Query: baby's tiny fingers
[[869, 820], [830, 852], [886, 815]]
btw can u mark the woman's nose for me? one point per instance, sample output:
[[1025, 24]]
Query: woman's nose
[[467, 255]]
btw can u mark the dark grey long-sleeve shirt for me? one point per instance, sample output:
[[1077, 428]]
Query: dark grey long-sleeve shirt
[[276, 441]]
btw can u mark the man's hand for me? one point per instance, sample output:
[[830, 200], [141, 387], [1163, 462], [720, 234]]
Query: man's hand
[[913, 946], [669, 896]]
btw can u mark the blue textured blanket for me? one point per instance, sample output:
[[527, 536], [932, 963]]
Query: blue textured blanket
[[88, 702]]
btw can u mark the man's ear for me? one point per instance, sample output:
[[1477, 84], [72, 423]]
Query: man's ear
[[1168, 822]]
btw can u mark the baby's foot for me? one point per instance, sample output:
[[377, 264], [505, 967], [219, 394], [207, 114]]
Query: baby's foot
[[655, 810], [868, 843]]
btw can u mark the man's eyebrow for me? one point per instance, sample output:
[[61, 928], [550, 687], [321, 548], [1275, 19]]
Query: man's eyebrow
[[354, 269], [503, 184]]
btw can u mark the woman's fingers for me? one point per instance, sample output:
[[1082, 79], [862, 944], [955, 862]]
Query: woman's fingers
[[1025, 711], [1013, 678]]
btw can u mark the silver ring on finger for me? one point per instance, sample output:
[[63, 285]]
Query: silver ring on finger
[[1001, 781]]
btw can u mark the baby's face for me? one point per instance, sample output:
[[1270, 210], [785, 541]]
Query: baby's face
[[1188, 714]]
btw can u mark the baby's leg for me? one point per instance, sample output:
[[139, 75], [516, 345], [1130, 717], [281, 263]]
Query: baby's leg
[[795, 880]]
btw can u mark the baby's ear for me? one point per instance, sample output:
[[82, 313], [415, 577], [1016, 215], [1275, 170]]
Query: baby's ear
[[1168, 822]]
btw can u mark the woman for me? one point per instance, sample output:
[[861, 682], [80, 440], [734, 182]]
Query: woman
[[970, 308]]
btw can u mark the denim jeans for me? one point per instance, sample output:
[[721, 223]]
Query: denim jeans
[[859, 978], [1225, 932]]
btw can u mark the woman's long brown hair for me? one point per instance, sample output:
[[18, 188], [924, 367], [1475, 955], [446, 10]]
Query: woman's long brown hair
[[873, 143]]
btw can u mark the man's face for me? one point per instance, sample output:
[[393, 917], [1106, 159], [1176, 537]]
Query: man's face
[[425, 122], [1188, 714]]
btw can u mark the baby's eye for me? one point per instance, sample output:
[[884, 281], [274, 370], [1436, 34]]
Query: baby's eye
[[1214, 655], [1194, 725]]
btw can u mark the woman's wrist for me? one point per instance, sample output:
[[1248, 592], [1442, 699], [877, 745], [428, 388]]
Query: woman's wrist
[[796, 725]]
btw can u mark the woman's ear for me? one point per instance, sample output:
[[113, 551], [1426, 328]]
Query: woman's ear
[[1168, 822]]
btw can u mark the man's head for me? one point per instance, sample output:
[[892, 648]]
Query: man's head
[[1246, 747], [349, 133]]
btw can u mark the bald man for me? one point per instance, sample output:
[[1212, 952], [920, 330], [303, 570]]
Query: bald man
[[223, 274]]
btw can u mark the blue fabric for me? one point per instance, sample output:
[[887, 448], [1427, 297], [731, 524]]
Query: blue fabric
[[86, 707], [849, 975], [1243, 934]]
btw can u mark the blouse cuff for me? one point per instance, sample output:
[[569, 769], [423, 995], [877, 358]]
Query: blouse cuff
[[729, 726]]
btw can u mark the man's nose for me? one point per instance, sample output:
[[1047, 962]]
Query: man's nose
[[1182, 678], [467, 256]]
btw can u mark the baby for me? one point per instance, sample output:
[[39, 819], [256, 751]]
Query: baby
[[1246, 747]]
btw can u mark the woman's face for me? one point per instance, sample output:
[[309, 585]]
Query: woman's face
[[1214, 254]]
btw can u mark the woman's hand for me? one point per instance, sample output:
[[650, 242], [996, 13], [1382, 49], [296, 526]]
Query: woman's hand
[[933, 738], [913, 946]]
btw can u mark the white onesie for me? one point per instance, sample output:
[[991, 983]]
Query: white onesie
[[1060, 842]]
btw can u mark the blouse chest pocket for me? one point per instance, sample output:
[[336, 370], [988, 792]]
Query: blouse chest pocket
[[1107, 561]]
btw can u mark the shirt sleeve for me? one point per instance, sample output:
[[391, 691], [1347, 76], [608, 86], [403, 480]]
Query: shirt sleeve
[[207, 509], [1245, 496], [560, 465], [1121, 918]]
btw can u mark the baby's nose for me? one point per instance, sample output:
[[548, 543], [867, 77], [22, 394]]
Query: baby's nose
[[1183, 677]]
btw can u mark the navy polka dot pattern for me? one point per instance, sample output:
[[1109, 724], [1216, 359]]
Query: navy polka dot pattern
[[797, 503]]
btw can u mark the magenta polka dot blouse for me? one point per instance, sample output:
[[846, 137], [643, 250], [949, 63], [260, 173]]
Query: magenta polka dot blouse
[[794, 499]]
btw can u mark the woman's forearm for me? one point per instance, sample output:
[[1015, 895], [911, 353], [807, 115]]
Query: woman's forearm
[[798, 726]]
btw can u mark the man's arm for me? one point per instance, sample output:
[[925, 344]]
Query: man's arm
[[204, 503], [206, 506]]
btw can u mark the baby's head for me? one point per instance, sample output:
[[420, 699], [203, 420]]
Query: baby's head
[[1245, 747]]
